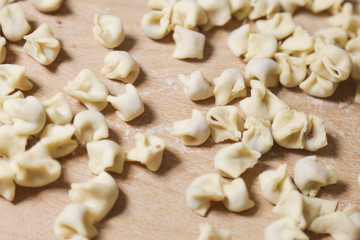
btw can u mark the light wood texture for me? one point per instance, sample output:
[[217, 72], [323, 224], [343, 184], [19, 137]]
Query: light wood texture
[[152, 205]]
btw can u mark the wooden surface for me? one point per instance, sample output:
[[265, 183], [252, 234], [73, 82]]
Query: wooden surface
[[152, 205]]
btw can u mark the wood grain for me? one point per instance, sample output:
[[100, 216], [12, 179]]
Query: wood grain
[[152, 205]]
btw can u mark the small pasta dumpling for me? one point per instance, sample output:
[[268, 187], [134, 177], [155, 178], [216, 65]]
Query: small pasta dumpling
[[275, 184], [238, 40], [299, 44], [27, 115], [310, 175], [196, 87], [218, 12], [35, 167], [207, 231], [2, 49], [228, 86], [317, 86], [315, 137], [189, 44], [265, 70], [7, 185], [58, 109], [98, 194], [156, 24], [128, 105], [148, 151], [240, 8], [41, 45], [57, 139], [188, 14], [257, 135], [237, 196], [108, 30], [235, 159], [261, 45], [88, 89], [46, 5], [4, 118], [120, 65], [346, 19], [75, 220], [352, 47], [291, 6], [160, 4], [12, 76], [225, 123], [202, 191], [293, 69], [193, 131], [105, 155], [333, 35], [284, 229], [262, 8], [317, 6], [13, 22], [90, 126], [280, 25], [262, 103], [10, 142]]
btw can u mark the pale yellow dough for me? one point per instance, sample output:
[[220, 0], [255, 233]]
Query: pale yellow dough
[[2, 49], [7, 185], [208, 232], [265, 70], [108, 30], [237, 196], [257, 135], [10, 142], [188, 14], [58, 109], [90, 126], [280, 25], [156, 24], [284, 229], [12, 76], [189, 44], [46, 5], [196, 87]]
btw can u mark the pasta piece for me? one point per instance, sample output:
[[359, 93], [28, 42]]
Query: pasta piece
[[299, 44], [161, 4], [194, 131], [189, 44], [46, 5], [207, 231], [284, 229], [27, 115], [237, 196], [352, 47], [12, 76], [240, 8], [120, 65], [346, 19], [291, 5], [7, 185], [293, 69], [195, 86], [225, 123], [343, 225], [108, 30], [2, 49], [58, 140], [75, 220], [315, 137], [257, 135], [202, 191], [261, 45], [333, 35], [90, 126], [13, 22], [148, 151], [357, 94], [263, 69], [317, 6], [289, 128], [218, 12], [4, 118], [280, 25], [262, 103], [188, 14], [58, 109], [262, 8], [317, 86], [35, 167], [276, 184], [238, 40], [310, 175], [228, 86], [235, 159], [105, 155], [128, 105], [41, 45], [327, 206], [98, 195], [156, 24], [89, 90], [10, 142]]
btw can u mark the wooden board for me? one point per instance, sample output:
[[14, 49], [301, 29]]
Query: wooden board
[[152, 205]]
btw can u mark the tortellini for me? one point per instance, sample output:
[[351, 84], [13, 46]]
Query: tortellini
[[284, 229], [195, 86], [10, 142], [46, 5], [310, 175], [207, 231], [58, 109], [156, 24], [4, 118], [352, 47], [202, 190], [315, 137], [7, 185], [105, 155], [41, 45], [238, 40], [108, 30], [333, 35], [188, 14], [262, 103], [240, 8], [317, 6], [120, 65], [225, 123], [228, 86], [261, 45], [346, 19], [293, 69], [12, 76], [90, 126], [193, 131], [257, 135], [237, 196], [2, 49], [189, 44], [98, 194], [291, 6], [299, 44], [263, 69], [13, 22], [317, 86], [262, 8], [89, 90], [235, 159], [148, 151], [218, 12], [128, 105], [280, 25], [35, 167]]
